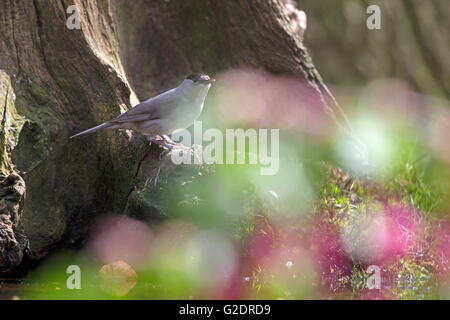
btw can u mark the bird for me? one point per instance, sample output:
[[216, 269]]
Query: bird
[[164, 114]]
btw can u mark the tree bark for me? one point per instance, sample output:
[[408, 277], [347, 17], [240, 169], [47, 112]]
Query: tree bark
[[55, 81]]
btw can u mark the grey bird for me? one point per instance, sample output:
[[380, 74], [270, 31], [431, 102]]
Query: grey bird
[[164, 114]]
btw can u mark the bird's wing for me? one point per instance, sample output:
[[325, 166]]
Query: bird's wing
[[151, 109]]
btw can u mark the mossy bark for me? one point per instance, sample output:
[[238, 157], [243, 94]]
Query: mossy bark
[[64, 80]]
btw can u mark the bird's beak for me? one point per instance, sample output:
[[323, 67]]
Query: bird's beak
[[210, 81]]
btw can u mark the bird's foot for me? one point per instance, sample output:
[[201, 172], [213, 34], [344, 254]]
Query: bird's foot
[[181, 151], [170, 146], [162, 142], [168, 140]]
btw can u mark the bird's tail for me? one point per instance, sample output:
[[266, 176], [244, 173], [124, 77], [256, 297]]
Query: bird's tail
[[97, 128]]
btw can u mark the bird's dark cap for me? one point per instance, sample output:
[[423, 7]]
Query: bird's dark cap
[[200, 78]]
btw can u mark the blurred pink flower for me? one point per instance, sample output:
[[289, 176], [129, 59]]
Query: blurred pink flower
[[333, 261], [279, 260], [257, 99], [442, 248], [397, 233], [381, 237], [120, 238]]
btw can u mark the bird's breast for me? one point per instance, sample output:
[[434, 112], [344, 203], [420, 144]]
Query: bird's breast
[[186, 115]]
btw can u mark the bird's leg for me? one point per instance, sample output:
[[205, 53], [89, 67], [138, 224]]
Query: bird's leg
[[169, 140], [160, 142], [169, 145], [181, 149]]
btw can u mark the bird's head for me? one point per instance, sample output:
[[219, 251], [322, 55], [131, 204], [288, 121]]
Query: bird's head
[[196, 86], [200, 79]]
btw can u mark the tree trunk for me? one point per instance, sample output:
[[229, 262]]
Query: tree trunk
[[55, 81]]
